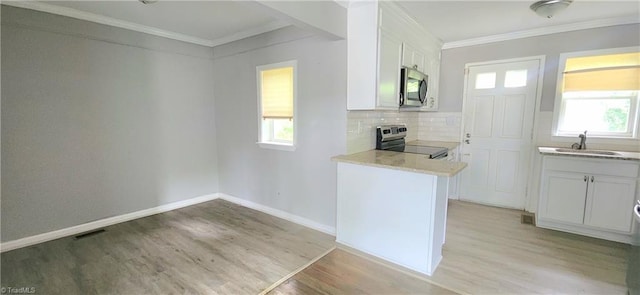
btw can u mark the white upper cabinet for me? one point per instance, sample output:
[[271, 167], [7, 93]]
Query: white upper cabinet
[[413, 58], [390, 49], [379, 34]]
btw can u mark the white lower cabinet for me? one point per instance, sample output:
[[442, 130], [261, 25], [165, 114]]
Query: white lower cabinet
[[609, 203], [588, 196], [564, 197]]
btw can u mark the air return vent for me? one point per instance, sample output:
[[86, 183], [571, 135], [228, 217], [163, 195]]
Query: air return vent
[[528, 218]]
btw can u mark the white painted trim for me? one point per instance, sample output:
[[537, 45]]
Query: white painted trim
[[114, 22], [280, 214], [272, 26], [65, 232], [277, 146], [74, 230], [542, 31], [270, 144], [634, 136]]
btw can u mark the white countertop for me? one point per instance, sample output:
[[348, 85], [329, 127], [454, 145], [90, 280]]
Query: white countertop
[[403, 161], [620, 154]]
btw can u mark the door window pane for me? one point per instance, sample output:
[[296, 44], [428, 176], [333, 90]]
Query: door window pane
[[486, 81], [515, 79]]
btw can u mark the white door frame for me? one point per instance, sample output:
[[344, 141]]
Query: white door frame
[[531, 198]]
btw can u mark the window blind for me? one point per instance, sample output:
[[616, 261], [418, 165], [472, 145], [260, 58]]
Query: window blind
[[277, 93], [603, 73]]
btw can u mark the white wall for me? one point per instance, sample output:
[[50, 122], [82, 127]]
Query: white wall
[[454, 59], [302, 182], [98, 121], [551, 46]]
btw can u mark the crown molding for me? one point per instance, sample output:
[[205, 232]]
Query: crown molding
[[542, 31], [109, 21], [96, 18], [272, 26]]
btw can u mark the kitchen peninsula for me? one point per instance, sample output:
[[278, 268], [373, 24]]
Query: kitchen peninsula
[[393, 205]]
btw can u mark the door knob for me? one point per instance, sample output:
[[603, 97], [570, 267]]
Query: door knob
[[466, 141], [468, 135]]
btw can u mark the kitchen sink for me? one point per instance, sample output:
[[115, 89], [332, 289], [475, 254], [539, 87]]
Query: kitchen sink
[[592, 152]]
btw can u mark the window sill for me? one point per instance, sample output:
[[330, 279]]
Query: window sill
[[277, 146]]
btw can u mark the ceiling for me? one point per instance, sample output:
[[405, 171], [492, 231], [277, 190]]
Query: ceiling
[[213, 22], [217, 22], [453, 21]]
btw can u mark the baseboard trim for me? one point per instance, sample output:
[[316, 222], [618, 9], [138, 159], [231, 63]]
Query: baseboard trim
[[89, 226], [280, 214]]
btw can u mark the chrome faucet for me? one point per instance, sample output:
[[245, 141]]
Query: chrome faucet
[[583, 142]]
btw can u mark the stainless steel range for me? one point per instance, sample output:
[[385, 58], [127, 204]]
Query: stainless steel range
[[392, 138]]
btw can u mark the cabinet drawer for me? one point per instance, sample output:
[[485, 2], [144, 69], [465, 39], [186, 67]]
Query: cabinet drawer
[[592, 166]]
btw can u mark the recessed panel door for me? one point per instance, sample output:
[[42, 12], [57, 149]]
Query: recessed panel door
[[497, 139]]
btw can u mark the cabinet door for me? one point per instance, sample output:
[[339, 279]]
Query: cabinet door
[[418, 60], [563, 196], [609, 203], [434, 75], [414, 58], [389, 54]]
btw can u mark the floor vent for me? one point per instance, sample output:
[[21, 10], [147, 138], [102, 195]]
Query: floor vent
[[91, 233], [528, 218]]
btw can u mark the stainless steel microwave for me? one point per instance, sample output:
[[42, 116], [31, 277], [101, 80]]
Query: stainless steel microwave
[[414, 86]]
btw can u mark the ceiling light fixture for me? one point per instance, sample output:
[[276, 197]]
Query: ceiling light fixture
[[148, 1], [548, 8]]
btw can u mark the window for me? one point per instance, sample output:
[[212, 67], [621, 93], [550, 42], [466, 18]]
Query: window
[[486, 80], [598, 91], [276, 101]]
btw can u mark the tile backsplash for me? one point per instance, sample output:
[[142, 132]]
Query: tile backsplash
[[440, 126], [361, 126]]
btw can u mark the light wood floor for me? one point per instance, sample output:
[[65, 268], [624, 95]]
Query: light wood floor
[[488, 251], [211, 248], [341, 272], [219, 247]]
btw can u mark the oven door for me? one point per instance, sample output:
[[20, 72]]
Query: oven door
[[414, 87]]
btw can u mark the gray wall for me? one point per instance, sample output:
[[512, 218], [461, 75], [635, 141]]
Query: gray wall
[[454, 59], [99, 121], [302, 182]]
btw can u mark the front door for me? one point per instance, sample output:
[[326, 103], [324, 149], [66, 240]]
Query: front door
[[498, 114]]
